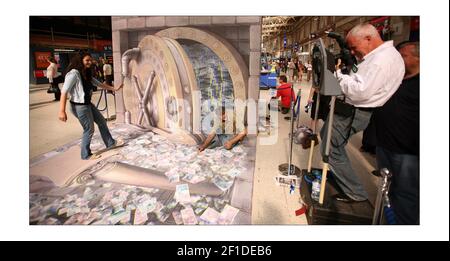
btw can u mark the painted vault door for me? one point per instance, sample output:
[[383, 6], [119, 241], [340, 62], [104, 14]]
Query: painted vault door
[[172, 74]]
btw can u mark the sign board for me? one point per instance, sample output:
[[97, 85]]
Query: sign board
[[41, 59]]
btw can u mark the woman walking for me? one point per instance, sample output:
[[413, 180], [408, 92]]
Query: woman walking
[[79, 82]]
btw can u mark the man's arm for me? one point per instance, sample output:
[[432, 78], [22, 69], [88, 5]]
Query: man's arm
[[239, 137], [361, 86], [207, 141]]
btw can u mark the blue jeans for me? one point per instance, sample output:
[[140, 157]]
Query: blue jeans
[[220, 139], [87, 115], [404, 190], [343, 128]]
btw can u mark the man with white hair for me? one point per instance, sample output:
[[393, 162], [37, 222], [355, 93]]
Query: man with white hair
[[380, 71]]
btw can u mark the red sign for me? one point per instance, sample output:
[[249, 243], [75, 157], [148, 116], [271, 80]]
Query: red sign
[[41, 59], [39, 74]]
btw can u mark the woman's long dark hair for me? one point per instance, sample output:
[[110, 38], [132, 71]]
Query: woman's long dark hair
[[77, 63], [51, 59]]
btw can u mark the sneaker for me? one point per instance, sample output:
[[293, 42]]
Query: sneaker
[[93, 157], [118, 143]]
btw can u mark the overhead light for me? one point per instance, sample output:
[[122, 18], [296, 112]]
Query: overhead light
[[64, 50]]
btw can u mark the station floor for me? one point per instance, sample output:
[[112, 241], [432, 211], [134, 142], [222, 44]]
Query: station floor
[[271, 204]]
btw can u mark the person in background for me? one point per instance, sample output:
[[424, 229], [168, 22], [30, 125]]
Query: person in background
[[295, 79], [397, 134], [308, 70], [273, 67], [324, 106], [79, 82], [368, 142], [100, 70], [108, 74], [53, 77], [300, 71], [291, 68], [286, 93], [278, 68]]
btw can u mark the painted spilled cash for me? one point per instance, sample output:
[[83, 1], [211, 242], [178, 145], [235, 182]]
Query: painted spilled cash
[[100, 203]]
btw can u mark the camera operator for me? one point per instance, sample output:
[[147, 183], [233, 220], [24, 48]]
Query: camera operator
[[379, 73]]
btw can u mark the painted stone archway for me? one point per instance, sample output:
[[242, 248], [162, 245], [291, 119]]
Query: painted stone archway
[[163, 87]]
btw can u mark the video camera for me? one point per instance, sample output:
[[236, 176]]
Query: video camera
[[347, 59], [324, 65]]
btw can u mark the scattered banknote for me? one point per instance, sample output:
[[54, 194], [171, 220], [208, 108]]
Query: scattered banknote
[[126, 219], [227, 154], [182, 194], [210, 216], [221, 183], [48, 221], [227, 215], [201, 204], [172, 204], [237, 149], [173, 175], [92, 216], [117, 217], [234, 172], [147, 205], [188, 216], [198, 211], [177, 217], [193, 178]]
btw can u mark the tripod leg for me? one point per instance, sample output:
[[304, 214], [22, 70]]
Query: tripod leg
[[323, 183], [327, 151], [311, 151]]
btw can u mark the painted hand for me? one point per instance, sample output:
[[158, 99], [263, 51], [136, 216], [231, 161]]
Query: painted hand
[[228, 145]]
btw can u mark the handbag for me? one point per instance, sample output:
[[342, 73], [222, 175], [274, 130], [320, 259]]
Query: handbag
[[51, 89], [304, 135]]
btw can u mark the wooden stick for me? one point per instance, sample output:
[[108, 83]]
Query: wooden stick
[[323, 183], [310, 155]]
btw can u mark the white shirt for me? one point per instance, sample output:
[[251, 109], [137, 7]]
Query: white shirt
[[52, 71], [107, 69], [378, 77]]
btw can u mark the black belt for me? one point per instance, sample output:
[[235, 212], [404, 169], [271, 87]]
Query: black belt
[[365, 109], [78, 103]]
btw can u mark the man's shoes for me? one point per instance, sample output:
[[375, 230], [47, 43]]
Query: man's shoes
[[345, 199]]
